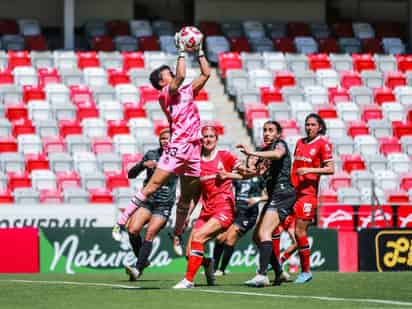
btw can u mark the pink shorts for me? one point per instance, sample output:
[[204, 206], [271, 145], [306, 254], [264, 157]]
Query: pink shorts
[[224, 216], [181, 159]]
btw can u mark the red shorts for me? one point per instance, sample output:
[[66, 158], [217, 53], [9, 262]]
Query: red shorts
[[305, 207], [288, 223], [224, 216], [181, 159]]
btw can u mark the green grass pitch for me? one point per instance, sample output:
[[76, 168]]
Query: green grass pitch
[[111, 290]]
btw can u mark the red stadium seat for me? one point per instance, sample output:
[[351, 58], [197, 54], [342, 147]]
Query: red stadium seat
[[6, 77], [67, 127], [116, 180], [290, 127], [100, 196], [371, 111], [87, 59], [349, 79], [33, 93], [382, 218], [148, 43], [338, 95], [80, 93], [400, 129], [356, 128], [36, 42], [102, 145], [51, 196], [389, 145], [18, 180], [117, 27], [406, 181], [48, 75], [133, 110], [284, 45], [340, 217], [404, 62], [394, 79], [117, 127], [340, 180], [298, 29], [68, 179], [86, 110], [18, 58], [8, 26], [23, 126], [36, 162], [389, 30], [270, 94], [159, 125], [210, 28], [343, 30], [327, 111], [16, 111], [328, 45], [371, 46], [102, 43], [405, 217], [319, 61], [397, 197], [8, 144], [117, 77], [363, 62], [6, 197], [239, 45], [133, 60], [129, 160], [255, 111], [202, 96], [148, 93], [382, 95], [409, 115], [328, 196], [53, 144], [228, 61], [283, 79], [352, 163]]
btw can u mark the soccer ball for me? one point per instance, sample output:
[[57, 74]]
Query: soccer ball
[[191, 38]]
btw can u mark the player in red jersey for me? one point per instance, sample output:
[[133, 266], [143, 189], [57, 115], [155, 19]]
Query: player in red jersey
[[313, 157], [218, 205]]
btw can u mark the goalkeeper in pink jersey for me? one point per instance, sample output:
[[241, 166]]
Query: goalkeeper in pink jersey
[[182, 155]]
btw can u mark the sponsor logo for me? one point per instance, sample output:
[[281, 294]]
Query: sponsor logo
[[405, 220], [338, 216], [380, 215], [393, 250], [49, 222]]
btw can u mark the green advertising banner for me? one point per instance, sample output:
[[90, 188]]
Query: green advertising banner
[[75, 250]]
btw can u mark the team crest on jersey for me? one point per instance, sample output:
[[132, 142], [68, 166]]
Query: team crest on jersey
[[312, 151], [220, 166]]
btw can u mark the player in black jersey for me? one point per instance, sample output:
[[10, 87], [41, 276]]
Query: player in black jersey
[[275, 168], [154, 212], [248, 194]]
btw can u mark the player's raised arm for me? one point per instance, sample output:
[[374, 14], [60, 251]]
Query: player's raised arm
[[200, 82], [180, 66]]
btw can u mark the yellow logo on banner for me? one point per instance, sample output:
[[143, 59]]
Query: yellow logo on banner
[[393, 250]]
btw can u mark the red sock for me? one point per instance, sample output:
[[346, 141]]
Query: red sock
[[276, 243], [285, 256], [304, 253], [195, 260]]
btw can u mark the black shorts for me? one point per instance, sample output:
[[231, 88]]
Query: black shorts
[[281, 201], [158, 209], [245, 219]]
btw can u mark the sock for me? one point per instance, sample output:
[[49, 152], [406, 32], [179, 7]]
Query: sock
[[286, 255], [195, 260], [274, 261], [217, 253], [131, 208], [276, 243], [136, 242], [181, 214], [206, 261], [304, 253], [265, 252], [227, 254], [144, 255]]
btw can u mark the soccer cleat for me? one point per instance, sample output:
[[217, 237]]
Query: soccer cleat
[[285, 277], [258, 281], [177, 244], [133, 272], [209, 273], [219, 273], [304, 277], [117, 232], [184, 284]]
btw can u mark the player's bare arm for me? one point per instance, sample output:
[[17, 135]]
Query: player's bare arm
[[200, 82], [328, 168], [180, 66], [275, 154]]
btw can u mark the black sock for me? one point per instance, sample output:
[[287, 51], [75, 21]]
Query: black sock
[[265, 253], [136, 242], [227, 254], [144, 253], [275, 265], [217, 253]]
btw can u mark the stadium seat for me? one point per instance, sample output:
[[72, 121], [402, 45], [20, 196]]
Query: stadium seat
[[29, 143], [39, 110], [386, 179], [77, 143], [103, 93], [47, 76], [100, 196], [305, 44], [406, 142], [122, 195], [327, 78], [140, 28], [23, 126], [102, 145], [393, 111], [284, 45], [316, 95], [117, 27], [129, 160], [339, 94], [350, 196], [292, 94], [352, 163], [53, 144], [25, 76], [319, 61], [43, 180], [389, 145], [125, 43], [60, 162], [92, 180], [85, 162], [349, 79], [382, 95], [394, 79], [67, 179], [380, 128], [366, 145], [376, 162], [13, 42], [385, 63], [305, 78], [75, 196], [12, 162], [116, 179], [26, 196], [279, 111], [6, 77], [270, 94], [95, 76], [403, 95], [362, 178], [16, 111], [371, 46], [18, 180], [87, 60], [328, 45], [109, 161], [339, 180], [71, 76], [372, 79], [102, 43], [36, 162], [51, 197], [361, 95], [401, 129], [393, 46], [110, 60], [320, 30], [399, 162], [125, 144]]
